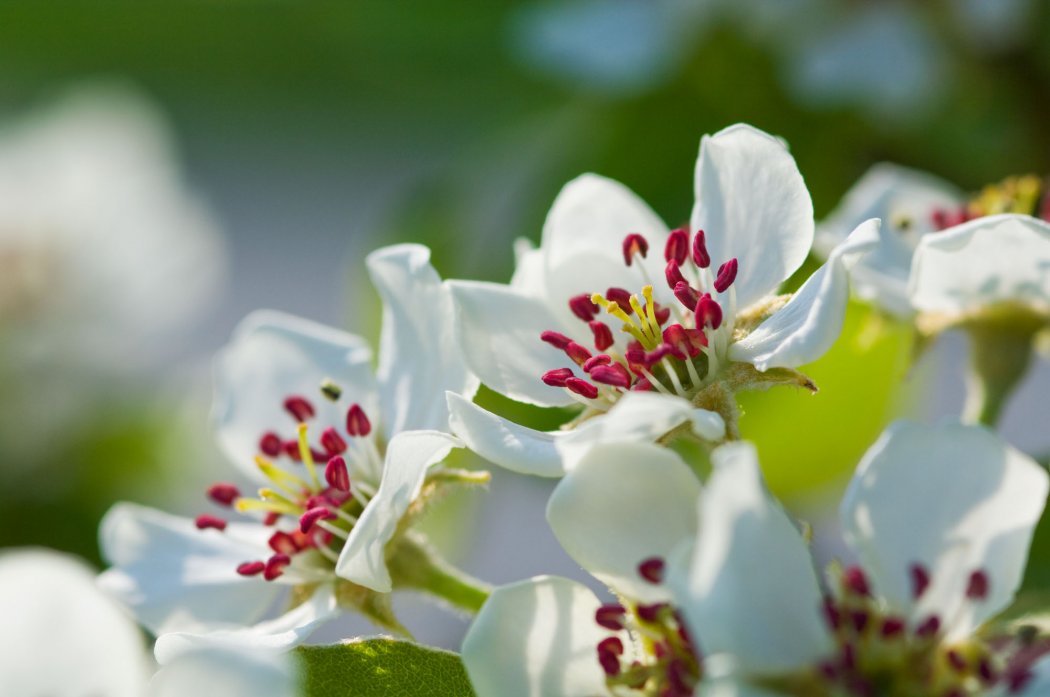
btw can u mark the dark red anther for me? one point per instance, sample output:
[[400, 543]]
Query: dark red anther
[[977, 586], [206, 521], [681, 683], [251, 568], [595, 361], [614, 374], [677, 247], [855, 581], [621, 297], [223, 493], [708, 312], [557, 377], [832, 615], [700, 256], [634, 244], [611, 644], [271, 444], [271, 518], [332, 442], [892, 627], [986, 671], [859, 619], [661, 313], [556, 339], [956, 660], [611, 616], [658, 354], [686, 295], [928, 627], [609, 660], [642, 385], [310, 518], [673, 274], [275, 566], [583, 307], [686, 341], [336, 474], [920, 580], [578, 353], [603, 337], [635, 356], [300, 409], [291, 449], [283, 543], [357, 423], [652, 570], [726, 275], [650, 613], [582, 388]]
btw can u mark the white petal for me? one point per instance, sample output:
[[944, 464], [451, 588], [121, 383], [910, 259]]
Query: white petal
[[753, 204], [807, 326], [622, 504], [418, 356], [1003, 258], [536, 638], [953, 498], [750, 565], [278, 634], [60, 635], [174, 576], [226, 671], [504, 442], [273, 356], [408, 456], [499, 333], [528, 269], [638, 417]]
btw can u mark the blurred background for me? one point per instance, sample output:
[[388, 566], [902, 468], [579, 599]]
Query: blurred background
[[166, 168]]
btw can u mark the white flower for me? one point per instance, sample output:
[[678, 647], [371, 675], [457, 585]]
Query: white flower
[[551, 636], [206, 581], [682, 334], [941, 520], [62, 637]]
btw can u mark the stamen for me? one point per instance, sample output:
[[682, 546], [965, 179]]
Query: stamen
[[726, 275], [357, 423], [251, 568], [223, 493], [579, 354], [892, 627], [206, 521], [332, 442], [928, 627], [557, 340], [337, 475], [307, 456], [634, 244], [977, 587], [615, 375], [271, 444], [619, 296], [283, 543], [651, 613], [603, 337], [611, 616], [855, 581], [245, 505], [286, 481], [275, 566], [708, 312], [593, 362], [331, 390], [609, 660], [300, 409], [582, 307], [582, 388], [920, 580], [558, 376], [307, 520], [686, 295], [677, 247], [652, 570], [700, 256], [673, 274]]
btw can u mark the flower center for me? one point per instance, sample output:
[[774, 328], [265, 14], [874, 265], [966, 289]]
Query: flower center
[[312, 510], [1026, 195], [665, 661], [673, 350]]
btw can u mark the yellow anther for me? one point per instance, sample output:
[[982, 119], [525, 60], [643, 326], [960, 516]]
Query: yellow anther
[[244, 505], [273, 496], [630, 325], [650, 313], [307, 456], [284, 480]]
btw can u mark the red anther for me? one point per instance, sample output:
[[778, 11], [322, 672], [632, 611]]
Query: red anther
[[687, 342], [635, 356], [892, 627], [206, 521], [270, 444], [583, 307], [920, 580], [956, 660], [336, 474], [673, 274], [595, 361], [336, 497], [700, 256], [986, 672], [726, 275], [928, 627], [855, 581], [634, 244], [686, 295], [939, 218], [611, 616], [283, 543], [611, 644], [603, 337], [582, 388], [275, 566], [578, 353], [291, 449], [708, 312], [642, 385], [609, 661], [223, 493], [251, 568], [680, 681], [357, 423], [271, 518], [332, 442], [300, 409], [652, 570], [661, 313], [558, 341], [832, 615], [658, 353], [308, 519], [621, 297], [557, 377], [650, 613], [977, 586], [859, 620], [677, 247], [615, 375]]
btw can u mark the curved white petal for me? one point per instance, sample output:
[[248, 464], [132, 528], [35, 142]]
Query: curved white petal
[[753, 204], [273, 356], [227, 671], [807, 326], [536, 638], [418, 356], [1003, 258], [749, 565], [499, 333], [505, 443], [622, 504], [953, 498], [528, 269], [176, 577], [60, 635], [638, 417], [276, 635], [408, 456]]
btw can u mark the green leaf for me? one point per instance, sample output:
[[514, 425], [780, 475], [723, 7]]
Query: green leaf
[[382, 667]]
